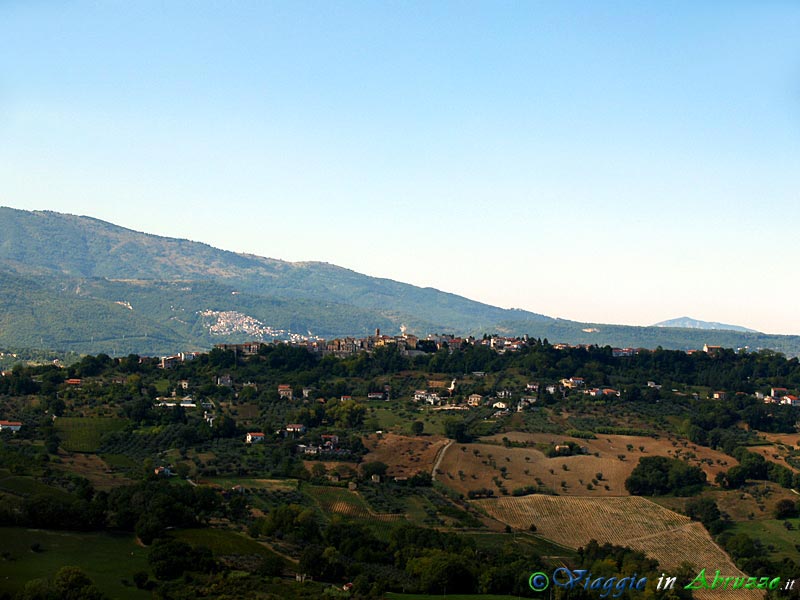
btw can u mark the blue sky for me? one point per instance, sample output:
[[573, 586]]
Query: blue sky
[[619, 162]]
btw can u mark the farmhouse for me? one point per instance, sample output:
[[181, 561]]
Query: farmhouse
[[602, 392], [254, 437], [10, 426], [169, 362], [619, 352], [433, 399], [330, 441], [285, 391], [573, 383], [475, 400]]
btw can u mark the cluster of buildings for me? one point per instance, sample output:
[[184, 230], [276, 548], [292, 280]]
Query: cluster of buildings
[[347, 346], [229, 322], [779, 395], [328, 444], [170, 362], [409, 345], [294, 429], [184, 402]]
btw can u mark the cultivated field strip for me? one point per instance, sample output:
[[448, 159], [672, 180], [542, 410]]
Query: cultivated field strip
[[630, 521], [344, 502], [574, 521]]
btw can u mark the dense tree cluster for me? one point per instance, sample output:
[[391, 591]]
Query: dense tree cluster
[[148, 508], [659, 475], [755, 466], [69, 583]]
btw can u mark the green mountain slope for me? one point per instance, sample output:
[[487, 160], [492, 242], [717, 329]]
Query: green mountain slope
[[81, 284], [48, 242]]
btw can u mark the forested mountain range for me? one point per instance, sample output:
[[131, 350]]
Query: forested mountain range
[[80, 284]]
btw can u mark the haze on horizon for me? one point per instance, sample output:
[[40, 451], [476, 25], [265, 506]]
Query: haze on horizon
[[617, 163]]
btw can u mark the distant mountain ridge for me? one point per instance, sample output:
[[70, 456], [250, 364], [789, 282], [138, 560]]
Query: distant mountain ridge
[[690, 323], [76, 283]]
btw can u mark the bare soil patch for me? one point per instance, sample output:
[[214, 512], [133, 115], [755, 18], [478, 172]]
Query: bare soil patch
[[93, 468], [404, 455]]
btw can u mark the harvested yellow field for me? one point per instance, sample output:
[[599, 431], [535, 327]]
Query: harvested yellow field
[[466, 467], [631, 521], [782, 444], [636, 446], [788, 439]]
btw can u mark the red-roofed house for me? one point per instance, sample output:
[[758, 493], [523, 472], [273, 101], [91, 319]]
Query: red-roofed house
[[10, 426], [254, 437], [330, 440], [573, 382]]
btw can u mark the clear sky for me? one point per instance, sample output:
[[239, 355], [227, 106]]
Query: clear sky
[[622, 162]]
